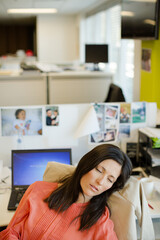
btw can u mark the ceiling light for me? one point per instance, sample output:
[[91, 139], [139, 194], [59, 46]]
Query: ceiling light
[[149, 21], [150, 1], [32, 11], [127, 14]]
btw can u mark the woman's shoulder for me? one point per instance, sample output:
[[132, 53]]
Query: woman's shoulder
[[44, 184], [106, 214], [43, 187], [105, 227], [104, 218]]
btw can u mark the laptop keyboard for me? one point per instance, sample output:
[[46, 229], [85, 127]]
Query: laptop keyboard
[[16, 197], [20, 194]]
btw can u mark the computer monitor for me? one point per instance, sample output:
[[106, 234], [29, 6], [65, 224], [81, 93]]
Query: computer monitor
[[29, 165], [96, 53]]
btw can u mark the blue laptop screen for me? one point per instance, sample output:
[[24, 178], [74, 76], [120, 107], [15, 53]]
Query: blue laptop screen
[[29, 166]]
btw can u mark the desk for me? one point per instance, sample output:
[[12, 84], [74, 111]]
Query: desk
[[78, 86], [5, 215]]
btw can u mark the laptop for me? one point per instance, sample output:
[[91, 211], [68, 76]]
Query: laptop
[[28, 166]]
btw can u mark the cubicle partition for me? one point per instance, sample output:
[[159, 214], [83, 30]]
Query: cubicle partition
[[54, 88], [25, 89], [78, 87], [61, 131]]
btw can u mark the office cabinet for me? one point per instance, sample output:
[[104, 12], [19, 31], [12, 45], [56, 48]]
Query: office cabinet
[[23, 90], [147, 155]]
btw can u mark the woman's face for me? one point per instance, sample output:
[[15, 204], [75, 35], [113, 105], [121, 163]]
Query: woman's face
[[100, 179]]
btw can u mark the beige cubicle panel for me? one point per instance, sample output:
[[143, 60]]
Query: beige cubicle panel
[[23, 90], [78, 87]]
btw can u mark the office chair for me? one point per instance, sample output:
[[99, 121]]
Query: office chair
[[115, 94]]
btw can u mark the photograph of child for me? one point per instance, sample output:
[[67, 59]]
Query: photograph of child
[[125, 113], [21, 121], [52, 116], [20, 125]]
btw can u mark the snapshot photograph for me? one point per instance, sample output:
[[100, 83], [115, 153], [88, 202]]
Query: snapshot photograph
[[138, 112], [21, 121], [52, 116]]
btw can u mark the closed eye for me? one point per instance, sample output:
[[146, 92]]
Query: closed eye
[[111, 181], [98, 170]]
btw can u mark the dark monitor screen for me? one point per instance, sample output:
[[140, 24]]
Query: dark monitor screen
[[28, 166], [140, 19], [96, 53]]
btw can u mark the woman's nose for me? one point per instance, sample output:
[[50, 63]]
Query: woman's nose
[[100, 181]]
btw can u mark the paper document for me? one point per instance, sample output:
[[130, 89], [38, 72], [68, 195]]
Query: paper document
[[151, 132], [46, 67]]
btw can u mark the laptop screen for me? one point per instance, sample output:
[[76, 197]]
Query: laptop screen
[[28, 166]]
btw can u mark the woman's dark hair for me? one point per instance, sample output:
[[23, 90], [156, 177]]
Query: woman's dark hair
[[18, 111], [62, 198]]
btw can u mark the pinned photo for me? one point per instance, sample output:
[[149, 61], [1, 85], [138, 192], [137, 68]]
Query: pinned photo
[[110, 135], [138, 112], [125, 113], [52, 116], [111, 124], [97, 137], [124, 131], [99, 108], [111, 112], [21, 121]]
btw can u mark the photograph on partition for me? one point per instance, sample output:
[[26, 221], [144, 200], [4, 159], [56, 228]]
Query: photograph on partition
[[110, 135], [100, 108], [124, 131], [111, 112], [97, 137], [138, 112], [21, 121], [52, 116], [111, 124], [125, 113]]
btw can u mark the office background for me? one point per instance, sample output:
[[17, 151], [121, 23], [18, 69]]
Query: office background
[[60, 38]]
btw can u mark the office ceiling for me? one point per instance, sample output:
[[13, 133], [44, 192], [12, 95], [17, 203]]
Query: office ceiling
[[63, 6]]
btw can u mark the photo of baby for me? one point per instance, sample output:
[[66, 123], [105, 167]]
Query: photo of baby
[[21, 121], [20, 125]]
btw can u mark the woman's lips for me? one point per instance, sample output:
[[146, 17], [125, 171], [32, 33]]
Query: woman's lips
[[94, 188]]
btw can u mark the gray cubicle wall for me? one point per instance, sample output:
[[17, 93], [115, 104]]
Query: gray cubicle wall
[[25, 89]]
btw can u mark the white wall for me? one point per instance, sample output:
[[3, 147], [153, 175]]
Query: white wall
[[57, 39]]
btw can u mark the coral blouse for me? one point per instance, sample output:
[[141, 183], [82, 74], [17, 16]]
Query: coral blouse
[[34, 220]]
